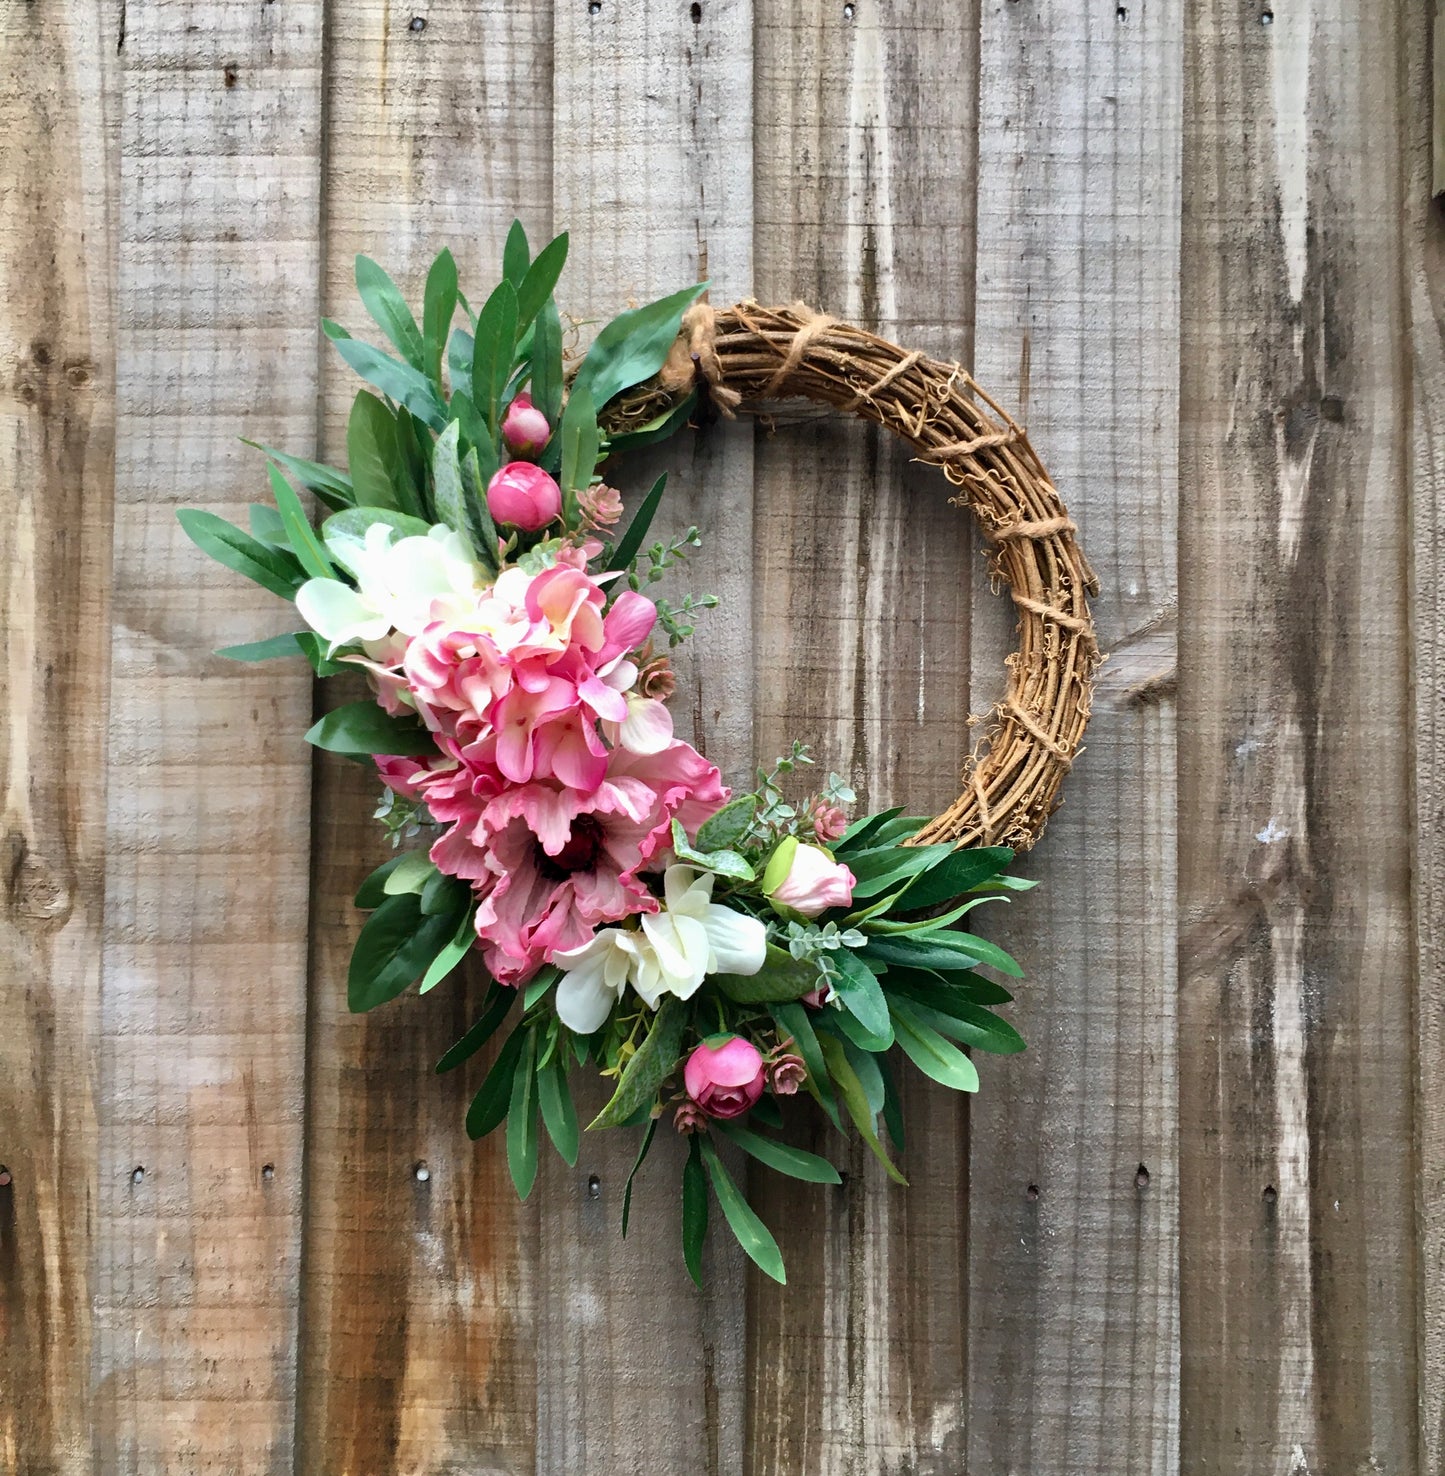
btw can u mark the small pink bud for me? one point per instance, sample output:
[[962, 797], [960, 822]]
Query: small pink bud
[[656, 679], [829, 822], [524, 427], [689, 1117], [524, 496], [787, 1074], [600, 506], [811, 881], [725, 1080], [817, 999]]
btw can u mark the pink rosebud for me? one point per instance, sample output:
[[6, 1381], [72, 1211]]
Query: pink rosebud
[[725, 1080], [816, 999], [524, 427], [804, 880], [829, 822], [787, 1074], [524, 496], [600, 506]]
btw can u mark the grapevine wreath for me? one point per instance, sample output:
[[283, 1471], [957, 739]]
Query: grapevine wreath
[[711, 953]]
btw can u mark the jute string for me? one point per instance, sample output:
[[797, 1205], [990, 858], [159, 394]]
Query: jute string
[[746, 356]]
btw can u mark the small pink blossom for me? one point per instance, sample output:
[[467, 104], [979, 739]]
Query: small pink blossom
[[727, 1079], [600, 506], [787, 1073], [829, 822], [656, 679], [523, 496], [689, 1117], [524, 427]]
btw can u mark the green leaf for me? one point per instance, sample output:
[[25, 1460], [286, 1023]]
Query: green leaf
[[496, 1005], [694, 1209], [657, 429], [393, 951], [858, 834], [792, 1020], [892, 1104], [447, 493], [372, 892], [266, 525], [516, 254], [647, 1138], [633, 346], [936, 923], [324, 482], [858, 987], [958, 873], [271, 568], [880, 870], [848, 1027], [865, 1066], [558, 1111], [544, 980], [850, 1089], [522, 1120], [363, 728], [932, 951], [754, 1237], [267, 650], [415, 870], [462, 943], [967, 1022], [724, 863], [474, 478], [651, 1064], [631, 542], [547, 368], [541, 280], [440, 306], [580, 443], [767, 1111], [445, 896], [299, 532], [781, 978], [399, 382], [942, 990], [315, 651], [930, 1052], [375, 458], [381, 298], [780, 1156], [492, 353], [728, 825], [490, 1104]]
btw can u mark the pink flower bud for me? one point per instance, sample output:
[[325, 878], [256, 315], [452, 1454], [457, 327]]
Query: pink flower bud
[[689, 1117], [805, 880], [829, 822], [817, 999], [524, 427], [524, 496], [600, 506], [787, 1074], [725, 1080]]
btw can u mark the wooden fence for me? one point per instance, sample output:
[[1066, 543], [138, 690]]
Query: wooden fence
[[1198, 1227]]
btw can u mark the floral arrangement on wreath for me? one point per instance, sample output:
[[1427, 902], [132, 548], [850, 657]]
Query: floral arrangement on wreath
[[712, 954]]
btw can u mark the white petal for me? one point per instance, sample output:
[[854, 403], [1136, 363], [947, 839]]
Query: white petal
[[682, 950], [620, 674], [678, 882], [647, 728], [739, 943], [583, 1000], [338, 614]]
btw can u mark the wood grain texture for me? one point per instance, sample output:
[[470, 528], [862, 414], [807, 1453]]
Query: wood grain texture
[[652, 151], [207, 837], [1299, 1331], [418, 1349], [1074, 1296], [865, 199], [1424, 245], [57, 422]]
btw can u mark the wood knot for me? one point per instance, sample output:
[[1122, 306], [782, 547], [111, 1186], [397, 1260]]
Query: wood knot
[[34, 888]]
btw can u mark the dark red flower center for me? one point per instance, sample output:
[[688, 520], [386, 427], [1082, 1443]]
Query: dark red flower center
[[579, 853]]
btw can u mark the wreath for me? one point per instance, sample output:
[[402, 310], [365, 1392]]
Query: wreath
[[711, 953]]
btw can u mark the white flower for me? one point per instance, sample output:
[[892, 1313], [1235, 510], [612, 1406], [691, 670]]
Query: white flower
[[401, 586], [691, 937], [647, 728], [594, 977]]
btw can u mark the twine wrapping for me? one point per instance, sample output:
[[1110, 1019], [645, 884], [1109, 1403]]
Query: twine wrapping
[[747, 354]]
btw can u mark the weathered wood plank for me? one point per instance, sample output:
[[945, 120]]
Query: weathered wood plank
[[1425, 264], [865, 185], [1296, 1079], [57, 424], [652, 152], [202, 1010], [418, 1352], [1074, 1298]]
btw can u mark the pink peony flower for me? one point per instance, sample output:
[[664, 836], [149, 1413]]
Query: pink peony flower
[[524, 496], [829, 822], [804, 880], [524, 427], [727, 1079]]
